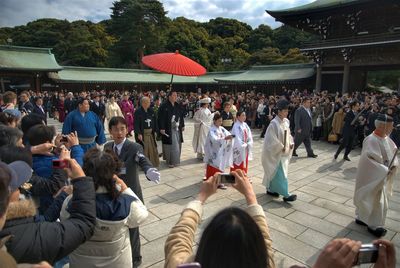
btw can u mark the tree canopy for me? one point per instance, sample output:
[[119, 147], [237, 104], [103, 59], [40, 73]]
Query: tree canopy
[[141, 27]]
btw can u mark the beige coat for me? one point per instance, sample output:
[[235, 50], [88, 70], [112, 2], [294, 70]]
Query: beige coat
[[178, 247], [338, 122], [110, 244]]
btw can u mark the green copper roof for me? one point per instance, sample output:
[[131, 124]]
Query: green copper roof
[[257, 74], [315, 6], [71, 74], [27, 59], [271, 74]]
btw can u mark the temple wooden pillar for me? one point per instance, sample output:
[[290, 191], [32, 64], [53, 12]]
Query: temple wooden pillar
[[346, 77]]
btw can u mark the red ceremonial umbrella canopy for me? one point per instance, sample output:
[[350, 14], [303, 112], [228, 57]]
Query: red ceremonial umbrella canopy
[[174, 63]]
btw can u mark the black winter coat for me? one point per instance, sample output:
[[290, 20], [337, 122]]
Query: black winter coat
[[33, 242]]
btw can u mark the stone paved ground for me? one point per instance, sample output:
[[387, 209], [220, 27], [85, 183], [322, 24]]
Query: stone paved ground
[[324, 209]]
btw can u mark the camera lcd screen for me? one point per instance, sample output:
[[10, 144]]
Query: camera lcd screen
[[227, 178]]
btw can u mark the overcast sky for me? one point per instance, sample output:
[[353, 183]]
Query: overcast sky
[[19, 12]]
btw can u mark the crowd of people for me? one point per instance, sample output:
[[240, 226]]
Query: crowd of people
[[64, 200]]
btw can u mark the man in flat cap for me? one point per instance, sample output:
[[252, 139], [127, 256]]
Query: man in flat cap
[[375, 175]]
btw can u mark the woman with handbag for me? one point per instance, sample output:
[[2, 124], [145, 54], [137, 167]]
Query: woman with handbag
[[337, 126]]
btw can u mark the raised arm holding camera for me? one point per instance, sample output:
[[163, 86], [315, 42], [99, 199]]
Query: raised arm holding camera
[[252, 247]]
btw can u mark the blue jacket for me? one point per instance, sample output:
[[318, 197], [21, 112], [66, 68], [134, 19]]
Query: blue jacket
[[43, 167]]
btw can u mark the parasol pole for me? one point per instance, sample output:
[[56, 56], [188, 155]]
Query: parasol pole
[[170, 84]]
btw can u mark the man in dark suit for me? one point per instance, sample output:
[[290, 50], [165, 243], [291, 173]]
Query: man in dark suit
[[25, 105], [303, 128], [98, 108], [39, 110], [349, 131], [132, 156]]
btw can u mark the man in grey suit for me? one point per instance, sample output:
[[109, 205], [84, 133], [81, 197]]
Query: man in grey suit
[[132, 157], [303, 128]]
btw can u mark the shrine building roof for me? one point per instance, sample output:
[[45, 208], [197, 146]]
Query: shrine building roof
[[27, 59]]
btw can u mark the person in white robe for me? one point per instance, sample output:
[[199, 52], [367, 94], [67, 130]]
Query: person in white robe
[[243, 143], [376, 172], [277, 151], [203, 119], [218, 148]]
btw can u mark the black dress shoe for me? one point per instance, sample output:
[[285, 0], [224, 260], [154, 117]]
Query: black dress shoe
[[346, 158], [272, 194], [312, 155], [378, 232], [335, 156], [290, 198], [294, 153], [361, 222], [136, 262]]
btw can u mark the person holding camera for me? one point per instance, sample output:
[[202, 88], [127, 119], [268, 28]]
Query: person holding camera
[[29, 241], [43, 163], [233, 238], [218, 148], [345, 253], [277, 150]]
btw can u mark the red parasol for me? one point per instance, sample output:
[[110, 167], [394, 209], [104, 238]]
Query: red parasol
[[174, 63]]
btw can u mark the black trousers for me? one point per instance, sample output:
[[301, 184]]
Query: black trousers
[[135, 243], [300, 138], [347, 143]]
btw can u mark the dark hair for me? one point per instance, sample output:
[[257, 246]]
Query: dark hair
[[232, 239], [217, 116], [81, 100], [39, 134], [227, 103], [170, 92], [353, 103], [9, 135], [5, 179], [240, 112], [305, 99], [29, 121], [37, 98], [7, 119], [11, 153], [9, 96], [117, 120], [102, 166]]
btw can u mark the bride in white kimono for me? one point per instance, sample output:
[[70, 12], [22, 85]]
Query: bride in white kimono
[[375, 175], [276, 154], [203, 119], [242, 148], [218, 148]]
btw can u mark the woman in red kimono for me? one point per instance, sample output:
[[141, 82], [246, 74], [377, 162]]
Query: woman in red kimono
[[128, 111]]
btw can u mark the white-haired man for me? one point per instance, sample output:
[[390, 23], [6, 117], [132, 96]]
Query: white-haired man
[[375, 174]]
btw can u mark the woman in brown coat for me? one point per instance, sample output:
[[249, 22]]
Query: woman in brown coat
[[338, 122]]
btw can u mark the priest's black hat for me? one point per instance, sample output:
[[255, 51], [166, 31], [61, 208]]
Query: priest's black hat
[[282, 105], [384, 118]]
